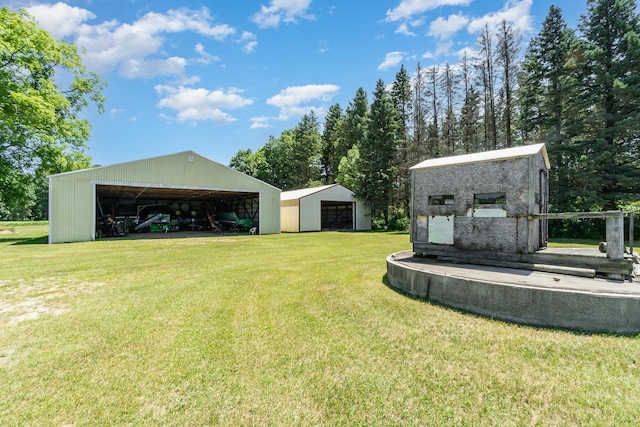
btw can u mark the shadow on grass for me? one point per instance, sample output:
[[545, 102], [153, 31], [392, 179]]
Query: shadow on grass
[[42, 240]]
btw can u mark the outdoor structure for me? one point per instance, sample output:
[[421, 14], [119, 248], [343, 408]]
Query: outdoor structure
[[482, 201], [329, 207], [191, 186], [479, 234], [490, 208]]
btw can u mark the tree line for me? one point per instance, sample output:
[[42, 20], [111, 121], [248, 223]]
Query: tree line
[[577, 90]]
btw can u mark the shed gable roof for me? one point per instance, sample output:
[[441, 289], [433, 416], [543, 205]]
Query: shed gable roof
[[303, 192], [487, 156]]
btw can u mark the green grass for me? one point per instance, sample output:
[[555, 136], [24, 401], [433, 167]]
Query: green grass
[[291, 329], [572, 243]]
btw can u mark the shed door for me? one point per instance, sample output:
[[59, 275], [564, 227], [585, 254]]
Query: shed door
[[441, 229], [337, 215]]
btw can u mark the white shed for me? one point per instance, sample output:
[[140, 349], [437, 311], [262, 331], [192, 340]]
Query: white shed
[[186, 182], [329, 207]]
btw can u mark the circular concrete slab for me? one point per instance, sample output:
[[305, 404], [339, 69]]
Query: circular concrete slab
[[522, 296]]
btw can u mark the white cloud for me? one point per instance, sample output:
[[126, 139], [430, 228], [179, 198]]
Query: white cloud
[[444, 47], [260, 123], [468, 51], [404, 29], [134, 49], [445, 28], [198, 104], [516, 12], [180, 20], [294, 95], [409, 8], [148, 68], [60, 19], [281, 10], [391, 59], [249, 40], [294, 100], [205, 57]]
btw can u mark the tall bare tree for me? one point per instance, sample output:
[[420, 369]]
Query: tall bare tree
[[508, 51], [487, 78]]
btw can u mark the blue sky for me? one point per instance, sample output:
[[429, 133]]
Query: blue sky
[[216, 77]]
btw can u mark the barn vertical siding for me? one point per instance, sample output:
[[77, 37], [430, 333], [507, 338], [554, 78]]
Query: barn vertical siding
[[302, 209], [290, 216], [71, 210], [269, 212], [72, 213], [311, 212]]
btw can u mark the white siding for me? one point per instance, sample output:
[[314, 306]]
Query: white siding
[[305, 213], [72, 213], [363, 216], [310, 212], [290, 216]]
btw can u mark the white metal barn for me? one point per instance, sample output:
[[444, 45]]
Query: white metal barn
[[186, 180], [329, 207]]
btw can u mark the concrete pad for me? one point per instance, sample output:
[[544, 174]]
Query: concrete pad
[[522, 296]]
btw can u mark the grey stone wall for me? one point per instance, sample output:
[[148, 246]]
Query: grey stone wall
[[501, 227]]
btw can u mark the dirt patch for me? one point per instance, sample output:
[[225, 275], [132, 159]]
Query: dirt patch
[[7, 357], [22, 300], [7, 230]]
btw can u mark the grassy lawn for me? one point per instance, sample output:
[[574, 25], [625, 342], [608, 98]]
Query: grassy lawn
[[291, 329]]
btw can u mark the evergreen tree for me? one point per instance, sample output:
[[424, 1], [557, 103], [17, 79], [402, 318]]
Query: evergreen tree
[[547, 100], [376, 164], [401, 96], [611, 95], [470, 122], [332, 139], [355, 122], [306, 152]]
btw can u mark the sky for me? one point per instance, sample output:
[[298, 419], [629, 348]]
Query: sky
[[216, 77]]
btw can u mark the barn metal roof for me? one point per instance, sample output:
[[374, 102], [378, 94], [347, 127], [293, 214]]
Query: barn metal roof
[[486, 156], [303, 192]]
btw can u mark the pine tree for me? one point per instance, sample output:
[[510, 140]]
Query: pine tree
[[355, 122], [547, 99], [470, 122], [376, 164], [332, 139], [305, 156], [401, 96], [611, 94]]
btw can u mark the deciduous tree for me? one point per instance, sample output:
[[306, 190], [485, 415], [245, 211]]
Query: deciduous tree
[[40, 125]]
